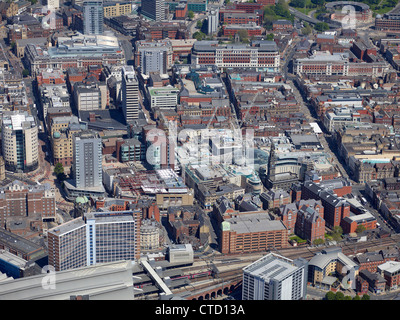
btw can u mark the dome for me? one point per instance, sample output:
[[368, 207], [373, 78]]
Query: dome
[[56, 135], [82, 200]]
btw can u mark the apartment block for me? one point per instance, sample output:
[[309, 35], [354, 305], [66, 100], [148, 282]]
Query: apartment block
[[275, 277], [97, 237]]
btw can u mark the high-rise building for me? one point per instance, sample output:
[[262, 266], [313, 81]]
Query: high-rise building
[[20, 141], [93, 16], [153, 9], [274, 277], [130, 94], [212, 21], [153, 56], [87, 159], [97, 237]]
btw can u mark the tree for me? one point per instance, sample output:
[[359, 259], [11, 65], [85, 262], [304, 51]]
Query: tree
[[321, 26], [198, 35], [347, 298], [330, 296], [356, 297], [339, 295], [243, 35], [270, 36], [361, 228], [319, 3], [306, 30], [298, 3], [25, 73], [199, 24], [191, 15], [318, 241], [59, 172], [365, 297]]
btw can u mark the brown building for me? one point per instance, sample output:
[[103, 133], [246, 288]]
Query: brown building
[[252, 232], [21, 200]]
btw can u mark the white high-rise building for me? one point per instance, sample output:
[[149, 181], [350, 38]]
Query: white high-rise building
[[20, 141], [130, 94], [97, 237], [213, 20], [274, 277]]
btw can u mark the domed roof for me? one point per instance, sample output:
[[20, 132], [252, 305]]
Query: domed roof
[[56, 134], [83, 199]]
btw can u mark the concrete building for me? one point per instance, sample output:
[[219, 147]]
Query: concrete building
[[263, 55], [153, 56], [163, 97], [20, 142], [274, 277], [97, 237], [153, 9], [213, 21], [93, 15], [130, 94], [328, 261], [87, 159], [117, 8]]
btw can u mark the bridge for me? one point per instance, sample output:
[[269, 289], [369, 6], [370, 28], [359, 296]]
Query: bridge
[[311, 20]]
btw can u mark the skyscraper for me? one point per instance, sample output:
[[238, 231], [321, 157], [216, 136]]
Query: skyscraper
[[20, 141], [153, 9], [130, 94], [87, 159], [93, 17], [274, 277], [97, 237]]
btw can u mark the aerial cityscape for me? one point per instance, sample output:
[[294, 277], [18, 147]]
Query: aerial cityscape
[[202, 150]]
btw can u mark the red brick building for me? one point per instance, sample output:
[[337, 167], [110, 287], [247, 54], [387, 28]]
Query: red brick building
[[251, 29]]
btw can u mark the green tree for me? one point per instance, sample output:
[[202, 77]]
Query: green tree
[[25, 73], [298, 3], [319, 3], [270, 36], [198, 35], [330, 296], [199, 24], [356, 297], [365, 297], [318, 241], [360, 229], [306, 30], [321, 26], [339, 295], [191, 15], [347, 298], [59, 172], [243, 35]]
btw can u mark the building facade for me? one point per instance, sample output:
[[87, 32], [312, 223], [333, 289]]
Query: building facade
[[274, 277], [130, 94], [98, 237], [20, 142]]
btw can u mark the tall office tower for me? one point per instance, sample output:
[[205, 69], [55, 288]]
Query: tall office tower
[[274, 277], [97, 237], [19, 142], [93, 13], [153, 9], [130, 94], [212, 21], [87, 159]]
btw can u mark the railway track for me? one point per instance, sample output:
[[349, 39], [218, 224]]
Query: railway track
[[292, 253]]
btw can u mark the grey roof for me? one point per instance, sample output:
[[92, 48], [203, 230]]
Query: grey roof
[[321, 260], [254, 222], [271, 266]]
